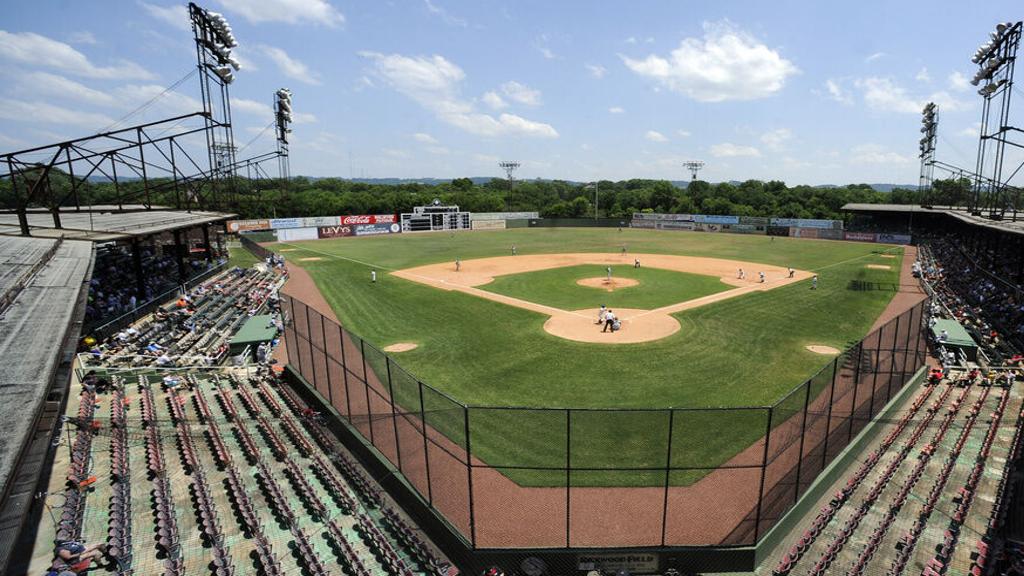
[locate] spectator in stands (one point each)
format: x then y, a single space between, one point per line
75 556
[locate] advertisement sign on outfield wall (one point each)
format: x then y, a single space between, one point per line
294 234
248 225
894 239
318 221
650 216
368 219
334 231
503 215
282 223
754 220
795 232
711 219
807 223
374 229
860 236
487 224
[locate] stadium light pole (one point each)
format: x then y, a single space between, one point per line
693 166
509 166
595 184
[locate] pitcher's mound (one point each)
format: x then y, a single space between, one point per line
879 266
609 285
819 349
401 347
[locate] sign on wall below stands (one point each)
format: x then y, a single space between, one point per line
318 221
894 239
633 563
503 215
368 219
860 236
487 224
807 223
712 219
374 229
294 234
334 231
248 225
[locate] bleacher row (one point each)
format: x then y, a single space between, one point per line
193 330
286 515
875 521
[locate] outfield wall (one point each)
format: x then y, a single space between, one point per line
493 500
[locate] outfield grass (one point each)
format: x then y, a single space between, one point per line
745 351
557 287
241 257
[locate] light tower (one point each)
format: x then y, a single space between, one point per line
509 166
283 121
929 127
693 166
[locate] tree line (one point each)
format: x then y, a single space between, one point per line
303 196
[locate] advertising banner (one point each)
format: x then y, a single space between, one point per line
806 223
318 221
795 232
677 225
488 224
632 562
282 223
894 239
860 236
755 220
744 229
643 223
716 219
248 225
829 234
649 216
778 230
334 231
374 229
368 219
293 234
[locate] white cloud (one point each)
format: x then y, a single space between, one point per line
36 111
291 67
133 95
631 40
46 84
439 150
959 82
728 150
616 110
972 131
873 57
727 64
40 51
424 138
521 93
495 101
876 154
923 76
884 94
433 82
547 53
287 11
175 15
444 15
596 70
776 138
82 37
655 136
683 133
836 92
396 152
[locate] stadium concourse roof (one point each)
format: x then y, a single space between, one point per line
108 223
42 287
1013 227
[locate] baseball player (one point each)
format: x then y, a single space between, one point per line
814 282
740 275
791 271
761 275
609 271
458 264
636 262
373 276
601 314
513 249
609 321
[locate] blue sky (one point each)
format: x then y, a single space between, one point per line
806 92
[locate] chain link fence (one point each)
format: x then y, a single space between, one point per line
509 477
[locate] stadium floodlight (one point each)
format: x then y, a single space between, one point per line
509 166
693 166
283 113
215 36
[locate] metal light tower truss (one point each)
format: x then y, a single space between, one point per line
214 41
509 166
996 60
693 167
282 128
929 129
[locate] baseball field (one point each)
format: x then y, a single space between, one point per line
693 335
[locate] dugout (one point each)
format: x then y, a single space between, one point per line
957 338
255 331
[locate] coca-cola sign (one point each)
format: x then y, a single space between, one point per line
368 219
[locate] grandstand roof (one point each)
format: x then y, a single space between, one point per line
99 225
962 215
33 328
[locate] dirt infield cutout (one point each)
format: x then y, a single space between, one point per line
310 259
609 285
879 266
401 347
887 255
822 349
580 325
